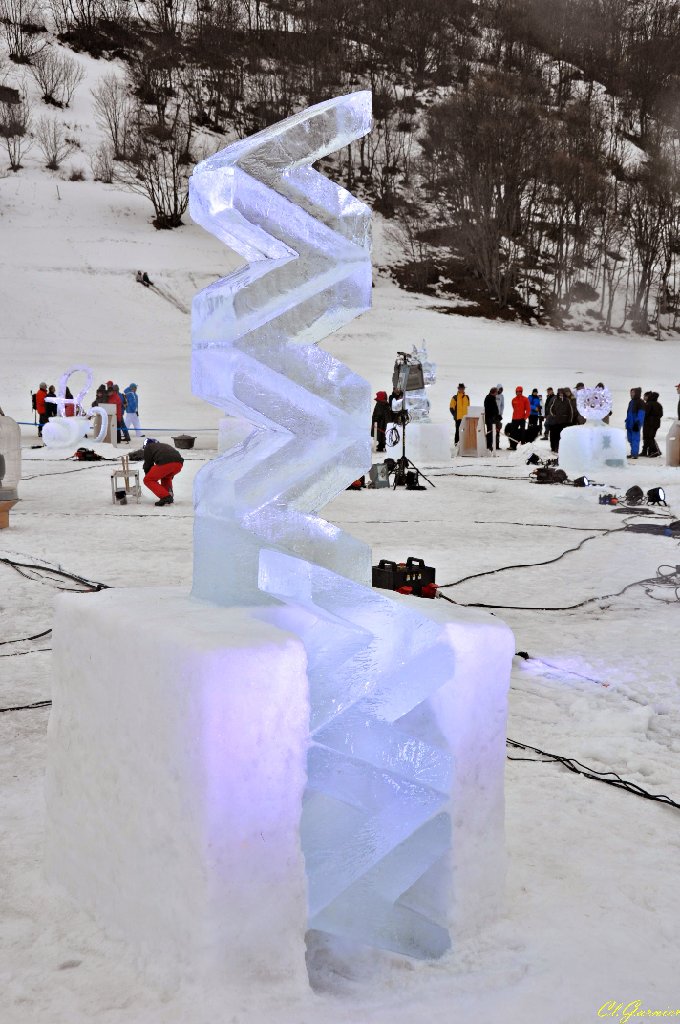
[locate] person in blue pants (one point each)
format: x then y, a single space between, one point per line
635 417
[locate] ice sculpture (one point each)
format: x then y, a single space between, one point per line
375 819
594 445
10 458
283 770
65 430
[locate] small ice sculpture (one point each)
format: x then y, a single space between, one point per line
66 429
594 403
376 821
594 445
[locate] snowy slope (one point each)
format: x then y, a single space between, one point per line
592 903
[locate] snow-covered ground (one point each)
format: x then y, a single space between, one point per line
593 906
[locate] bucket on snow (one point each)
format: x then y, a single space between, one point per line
184 441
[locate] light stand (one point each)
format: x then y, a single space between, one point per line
403 462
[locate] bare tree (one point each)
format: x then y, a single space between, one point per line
15 127
102 163
57 75
159 166
167 16
21 23
114 110
70 15
51 138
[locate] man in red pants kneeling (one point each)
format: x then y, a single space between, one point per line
161 463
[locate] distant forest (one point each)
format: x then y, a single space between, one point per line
525 152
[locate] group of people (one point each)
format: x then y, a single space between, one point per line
532 417
45 405
127 408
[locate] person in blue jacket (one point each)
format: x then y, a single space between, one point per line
635 417
132 409
536 406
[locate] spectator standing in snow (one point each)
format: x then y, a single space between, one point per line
561 416
458 406
677 391
115 398
635 417
536 409
652 422
51 408
382 414
131 417
579 387
162 463
500 402
39 406
492 417
549 399
520 413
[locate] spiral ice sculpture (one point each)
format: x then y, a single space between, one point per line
375 824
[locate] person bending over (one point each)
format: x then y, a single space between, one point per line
162 462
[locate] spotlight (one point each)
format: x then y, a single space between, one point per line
657 496
582 481
634 495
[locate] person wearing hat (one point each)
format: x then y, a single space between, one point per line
521 410
458 406
382 415
131 416
40 407
500 402
162 462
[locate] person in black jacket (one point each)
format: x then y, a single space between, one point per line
549 399
652 422
162 462
561 416
382 415
492 416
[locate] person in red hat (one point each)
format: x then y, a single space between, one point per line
382 414
521 410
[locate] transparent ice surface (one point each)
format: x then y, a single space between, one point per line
375 821
307 241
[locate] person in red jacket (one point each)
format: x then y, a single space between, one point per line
521 410
41 407
115 398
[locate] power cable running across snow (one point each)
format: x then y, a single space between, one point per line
572 765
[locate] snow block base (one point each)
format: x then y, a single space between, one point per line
177 765
591 448
177 749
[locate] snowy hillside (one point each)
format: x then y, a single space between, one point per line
593 904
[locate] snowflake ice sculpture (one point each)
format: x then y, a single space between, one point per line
594 403
375 823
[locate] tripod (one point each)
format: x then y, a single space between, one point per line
403 462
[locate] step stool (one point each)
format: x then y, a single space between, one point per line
127 479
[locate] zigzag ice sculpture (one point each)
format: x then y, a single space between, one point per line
375 819
291 752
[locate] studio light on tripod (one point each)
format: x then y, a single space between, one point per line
634 495
581 481
657 496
